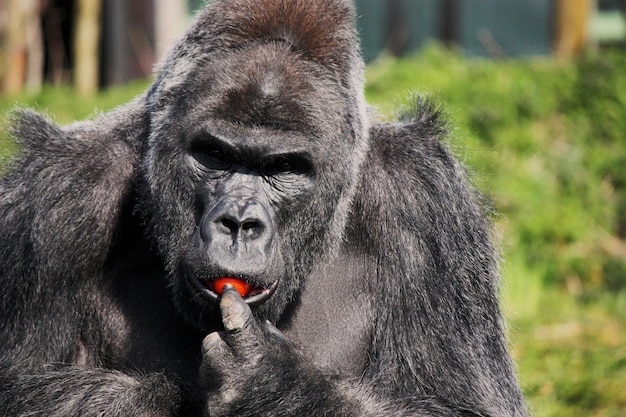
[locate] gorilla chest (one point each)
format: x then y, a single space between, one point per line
331 323
145 331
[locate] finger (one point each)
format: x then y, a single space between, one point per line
236 314
212 345
214 354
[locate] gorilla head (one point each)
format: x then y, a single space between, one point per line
254 153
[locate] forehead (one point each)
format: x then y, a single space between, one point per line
266 85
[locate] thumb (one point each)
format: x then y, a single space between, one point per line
236 314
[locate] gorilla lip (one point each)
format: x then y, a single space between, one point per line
255 296
242 287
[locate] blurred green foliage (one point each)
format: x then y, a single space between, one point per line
545 141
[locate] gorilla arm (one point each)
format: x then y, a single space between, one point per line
442 338
85 392
59 210
62 198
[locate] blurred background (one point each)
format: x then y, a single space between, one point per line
96 43
536 94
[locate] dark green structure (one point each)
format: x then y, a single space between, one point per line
496 28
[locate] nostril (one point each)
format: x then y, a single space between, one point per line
249 225
228 225
251 228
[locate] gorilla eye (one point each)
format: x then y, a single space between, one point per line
208 155
287 164
215 154
284 166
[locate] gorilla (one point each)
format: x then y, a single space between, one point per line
368 280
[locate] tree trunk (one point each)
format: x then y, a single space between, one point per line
572 26
170 20
86 46
22 46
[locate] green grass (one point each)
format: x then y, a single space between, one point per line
546 142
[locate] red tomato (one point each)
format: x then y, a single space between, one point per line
243 288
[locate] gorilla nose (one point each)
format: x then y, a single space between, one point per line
248 228
242 220
237 235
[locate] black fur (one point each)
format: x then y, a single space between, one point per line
386 278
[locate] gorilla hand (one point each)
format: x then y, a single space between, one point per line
251 366
252 370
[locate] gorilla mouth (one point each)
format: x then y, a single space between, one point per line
254 296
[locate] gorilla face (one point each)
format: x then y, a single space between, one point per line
250 168
247 184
